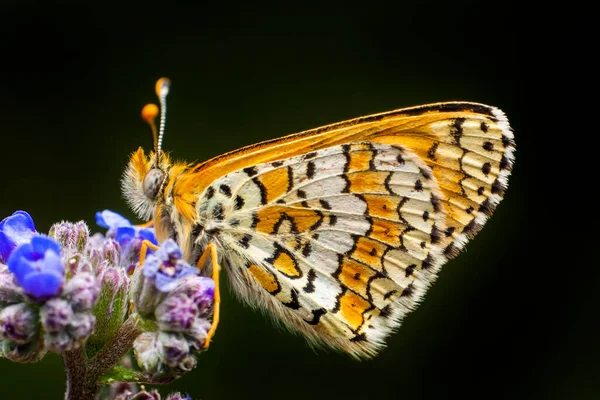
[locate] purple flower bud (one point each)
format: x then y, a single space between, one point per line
56 315
176 313
143 395
63 329
82 291
122 390
81 326
178 396
199 289
18 323
175 349
9 291
38 268
23 353
71 236
198 332
112 252
14 231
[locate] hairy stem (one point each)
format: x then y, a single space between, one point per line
114 350
83 375
76 368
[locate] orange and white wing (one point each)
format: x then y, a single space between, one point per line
340 230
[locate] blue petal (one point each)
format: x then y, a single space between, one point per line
41 244
53 263
151 265
171 248
124 235
15 230
109 219
20 262
148 234
165 283
42 284
187 270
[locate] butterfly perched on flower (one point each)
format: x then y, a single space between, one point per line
338 231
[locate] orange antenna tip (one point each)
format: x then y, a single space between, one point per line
162 87
149 113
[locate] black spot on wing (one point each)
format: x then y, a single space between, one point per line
238 203
210 192
245 241
293 304
456 130
310 169
226 190
250 171
324 204
310 285
263 190
317 314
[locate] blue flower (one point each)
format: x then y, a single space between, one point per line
38 268
166 266
15 230
124 231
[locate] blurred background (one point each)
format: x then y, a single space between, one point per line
511 317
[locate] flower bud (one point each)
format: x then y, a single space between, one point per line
144 294
18 323
147 352
178 396
143 395
56 315
197 334
9 291
71 236
176 313
175 349
200 290
112 304
83 235
81 326
82 291
112 252
64 329
23 353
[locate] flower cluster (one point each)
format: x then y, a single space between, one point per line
68 289
169 291
40 309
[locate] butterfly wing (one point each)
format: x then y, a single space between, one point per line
339 231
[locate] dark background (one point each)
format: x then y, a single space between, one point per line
515 316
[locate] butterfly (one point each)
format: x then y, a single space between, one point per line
337 231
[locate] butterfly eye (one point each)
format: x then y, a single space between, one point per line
152 182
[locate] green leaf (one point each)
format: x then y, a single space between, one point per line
124 374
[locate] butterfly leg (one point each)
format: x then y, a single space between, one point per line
146 225
211 251
145 245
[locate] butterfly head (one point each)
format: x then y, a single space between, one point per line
146 176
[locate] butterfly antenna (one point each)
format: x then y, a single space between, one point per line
149 114
162 90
